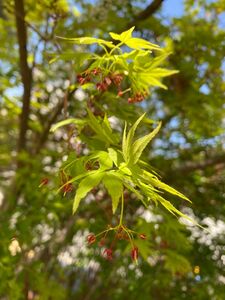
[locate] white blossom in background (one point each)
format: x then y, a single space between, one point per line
49 87
14 247
115 123
122 272
72 254
4 112
44 233
80 95
148 215
215 228
38 74
14 219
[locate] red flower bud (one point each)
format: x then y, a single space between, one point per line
102 86
44 181
107 81
96 71
142 236
120 94
102 242
134 253
91 239
108 253
68 188
81 80
117 79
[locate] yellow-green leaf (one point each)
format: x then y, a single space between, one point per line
137 43
115 188
85 186
140 144
124 36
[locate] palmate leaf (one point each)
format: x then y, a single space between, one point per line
161 185
141 143
137 43
156 61
129 55
85 186
115 156
124 142
103 129
153 195
130 186
160 72
132 150
173 210
124 36
103 158
133 42
128 140
87 41
115 188
146 80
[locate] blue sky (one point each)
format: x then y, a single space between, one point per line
172 8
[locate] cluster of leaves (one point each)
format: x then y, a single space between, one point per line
128 57
117 168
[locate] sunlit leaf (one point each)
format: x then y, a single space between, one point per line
124 36
115 188
85 186
137 43
141 143
87 41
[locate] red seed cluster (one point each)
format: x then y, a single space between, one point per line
68 188
102 242
117 79
142 236
44 181
120 233
107 81
91 239
134 253
120 94
138 97
82 79
108 253
96 71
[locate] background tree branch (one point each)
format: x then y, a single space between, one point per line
201 165
25 71
146 13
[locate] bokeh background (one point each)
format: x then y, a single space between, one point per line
43 249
